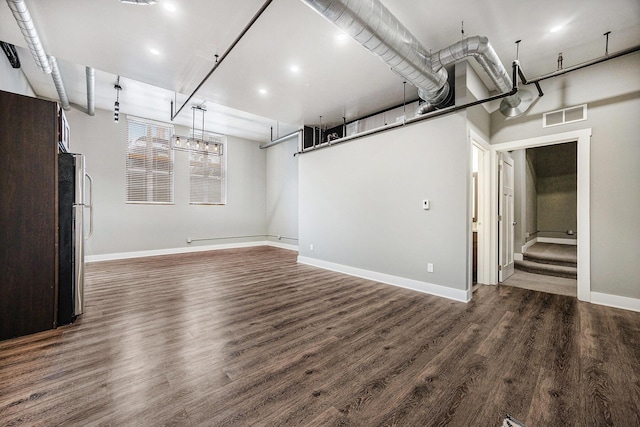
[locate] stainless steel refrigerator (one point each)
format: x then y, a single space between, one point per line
71 235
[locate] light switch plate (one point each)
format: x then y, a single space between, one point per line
426 204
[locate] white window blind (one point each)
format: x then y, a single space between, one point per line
207 173
149 162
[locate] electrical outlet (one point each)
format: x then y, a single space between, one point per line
426 205
429 268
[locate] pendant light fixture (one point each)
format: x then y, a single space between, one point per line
199 140
116 106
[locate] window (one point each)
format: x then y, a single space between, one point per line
149 162
207 173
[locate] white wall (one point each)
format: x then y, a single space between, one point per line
123 228
361 202
612 91
282 192
13 79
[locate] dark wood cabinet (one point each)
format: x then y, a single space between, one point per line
29 134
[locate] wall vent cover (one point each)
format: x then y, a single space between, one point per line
567 115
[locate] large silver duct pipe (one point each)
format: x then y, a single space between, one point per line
479 48
47 64
23 18
371 24
57 80
91 85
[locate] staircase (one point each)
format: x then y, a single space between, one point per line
551 260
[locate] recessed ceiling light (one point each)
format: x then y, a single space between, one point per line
294 68
170 7
555 29
342 37
139 2
262 91
154 51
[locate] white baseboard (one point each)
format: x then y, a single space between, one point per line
529 244
172 251
282 245
615 301
416 285
557 241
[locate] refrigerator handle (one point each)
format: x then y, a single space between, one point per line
90 206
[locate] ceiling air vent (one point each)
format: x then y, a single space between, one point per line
567 115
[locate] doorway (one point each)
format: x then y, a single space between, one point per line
583 138
480 209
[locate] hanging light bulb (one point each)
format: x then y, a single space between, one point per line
198 144
178 141
215 148
206 147
188 143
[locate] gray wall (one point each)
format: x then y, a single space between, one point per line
612 91
121 227
282 192
531 211
361 202
13 79
557 190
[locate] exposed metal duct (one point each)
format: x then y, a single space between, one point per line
23 18
47 64
371 24
91 85
57 80
479 48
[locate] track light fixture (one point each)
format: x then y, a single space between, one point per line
116 106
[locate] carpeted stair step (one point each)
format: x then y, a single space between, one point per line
554 259
547 269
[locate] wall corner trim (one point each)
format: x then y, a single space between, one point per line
615 301
402 282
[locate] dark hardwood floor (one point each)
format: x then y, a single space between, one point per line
248 337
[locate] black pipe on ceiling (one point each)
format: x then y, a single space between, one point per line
222 58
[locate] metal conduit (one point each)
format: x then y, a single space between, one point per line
222 58
281 139
578 66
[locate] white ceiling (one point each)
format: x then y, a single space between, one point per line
335 78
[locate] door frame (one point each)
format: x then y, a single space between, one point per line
583 138
484 209
506 219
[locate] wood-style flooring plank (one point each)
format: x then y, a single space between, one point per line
248 337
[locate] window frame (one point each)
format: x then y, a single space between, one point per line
154 153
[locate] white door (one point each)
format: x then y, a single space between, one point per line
506 222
